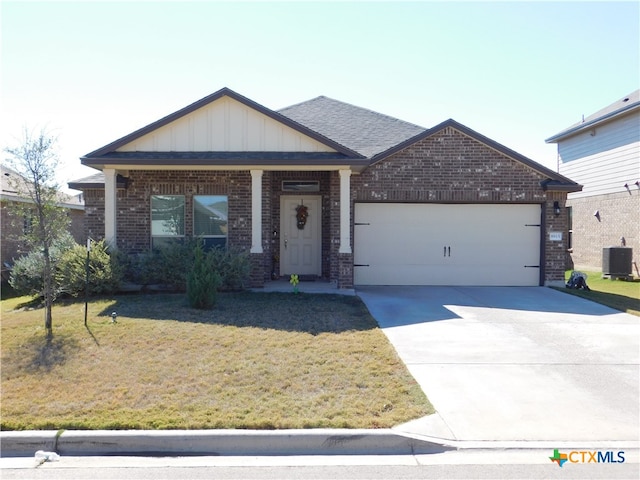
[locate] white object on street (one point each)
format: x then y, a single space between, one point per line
42 456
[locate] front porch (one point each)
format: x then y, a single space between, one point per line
319 245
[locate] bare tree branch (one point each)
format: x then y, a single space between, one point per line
35 161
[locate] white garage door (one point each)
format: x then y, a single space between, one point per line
438 244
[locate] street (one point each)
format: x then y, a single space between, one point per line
476 464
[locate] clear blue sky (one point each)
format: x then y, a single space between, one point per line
517 72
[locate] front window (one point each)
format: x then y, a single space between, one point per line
210 214
167 219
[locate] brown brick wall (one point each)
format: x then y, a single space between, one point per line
619 216
334 229
134 208
94 213
451 167
11 228
555 256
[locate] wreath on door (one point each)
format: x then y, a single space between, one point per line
302 212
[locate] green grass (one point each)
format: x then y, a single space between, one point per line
622 295
258 360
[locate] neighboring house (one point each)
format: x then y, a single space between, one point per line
330 190
602 152
12 228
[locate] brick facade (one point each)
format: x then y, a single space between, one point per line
134 207
134 211
450 167
447 167
11 228
591 234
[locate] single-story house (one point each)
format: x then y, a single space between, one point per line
329 190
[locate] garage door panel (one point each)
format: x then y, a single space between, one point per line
438 244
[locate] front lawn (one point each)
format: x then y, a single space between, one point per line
258 360
622 295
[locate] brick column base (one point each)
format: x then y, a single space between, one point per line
256 279
345 270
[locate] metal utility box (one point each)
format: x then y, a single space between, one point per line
617 261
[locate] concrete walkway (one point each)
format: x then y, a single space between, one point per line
511 364
317 286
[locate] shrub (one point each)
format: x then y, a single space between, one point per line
176 261
233 265
203 281
171 264
166 265
26 274
105 270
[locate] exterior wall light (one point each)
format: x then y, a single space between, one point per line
556 208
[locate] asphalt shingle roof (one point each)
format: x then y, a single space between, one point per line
358 135
14 186
365 131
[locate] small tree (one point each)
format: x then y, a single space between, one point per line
36 161
203 281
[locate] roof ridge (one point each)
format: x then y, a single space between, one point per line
353 106
300 103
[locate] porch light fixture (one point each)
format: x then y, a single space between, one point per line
556 208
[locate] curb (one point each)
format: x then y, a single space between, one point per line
216 442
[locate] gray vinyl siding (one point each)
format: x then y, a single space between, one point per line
603 158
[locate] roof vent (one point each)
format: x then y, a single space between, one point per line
626 99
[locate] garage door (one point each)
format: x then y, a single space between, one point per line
438 244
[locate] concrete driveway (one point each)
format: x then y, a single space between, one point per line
515 363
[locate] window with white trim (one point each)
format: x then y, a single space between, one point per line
167 219
210 222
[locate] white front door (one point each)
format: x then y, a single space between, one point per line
300 244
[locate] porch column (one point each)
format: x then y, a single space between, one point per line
345 211
256 211
110 197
